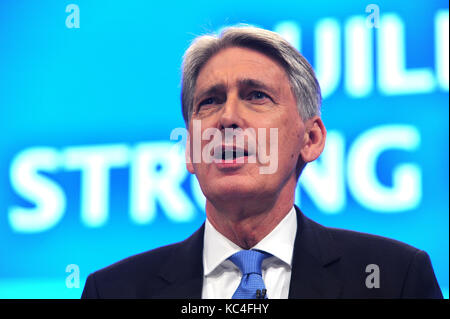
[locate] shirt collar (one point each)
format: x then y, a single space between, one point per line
279 243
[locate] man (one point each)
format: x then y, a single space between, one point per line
255 243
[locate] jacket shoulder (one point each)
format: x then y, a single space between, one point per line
130 277
148 274
149 261
351 241
403 271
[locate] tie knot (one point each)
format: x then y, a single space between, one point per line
249 261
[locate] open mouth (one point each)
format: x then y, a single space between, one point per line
234 154
229 153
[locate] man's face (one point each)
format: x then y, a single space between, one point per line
243 88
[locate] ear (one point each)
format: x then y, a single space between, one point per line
188 157
314 139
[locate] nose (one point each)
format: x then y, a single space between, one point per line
231 116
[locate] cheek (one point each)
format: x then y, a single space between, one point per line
290 143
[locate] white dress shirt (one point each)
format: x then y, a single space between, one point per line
222 277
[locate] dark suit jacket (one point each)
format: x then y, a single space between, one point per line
327 263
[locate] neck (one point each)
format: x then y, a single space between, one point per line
247 223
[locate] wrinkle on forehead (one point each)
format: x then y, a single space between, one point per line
231 66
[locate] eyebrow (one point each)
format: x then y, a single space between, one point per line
220 88
252 83
212 90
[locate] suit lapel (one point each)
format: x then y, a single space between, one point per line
315 262
183 271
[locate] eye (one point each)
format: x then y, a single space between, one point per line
257 95
208 101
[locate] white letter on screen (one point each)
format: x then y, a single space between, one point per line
323 180
157 173
393 77
291 32
406 192
441 48
358 57
95 163
45 194
327 53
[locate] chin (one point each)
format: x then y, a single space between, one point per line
229 190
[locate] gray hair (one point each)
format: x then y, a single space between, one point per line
304 84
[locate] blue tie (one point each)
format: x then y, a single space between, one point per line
252 284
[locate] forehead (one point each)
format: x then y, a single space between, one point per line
230 65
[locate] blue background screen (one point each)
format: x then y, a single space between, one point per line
90 94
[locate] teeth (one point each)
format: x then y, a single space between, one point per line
229 153
233 154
